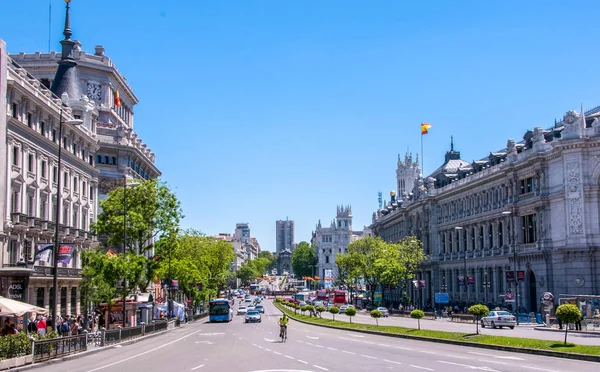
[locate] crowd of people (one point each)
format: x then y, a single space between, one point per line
70 325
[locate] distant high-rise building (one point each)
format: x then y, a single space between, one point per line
284 236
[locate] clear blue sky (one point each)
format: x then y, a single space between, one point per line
262 110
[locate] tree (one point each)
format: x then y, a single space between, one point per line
320 309
376 314
334 310
568 313
246 273
417 314
350 312
272 257
152 212
304 259
349 274
478 311
411 257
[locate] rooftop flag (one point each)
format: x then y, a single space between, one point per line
425 128
117 99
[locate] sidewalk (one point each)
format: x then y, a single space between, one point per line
584 333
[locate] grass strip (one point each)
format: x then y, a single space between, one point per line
524 343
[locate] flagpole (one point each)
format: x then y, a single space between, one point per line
422 158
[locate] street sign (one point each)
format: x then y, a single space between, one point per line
442 298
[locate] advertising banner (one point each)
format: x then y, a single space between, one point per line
65 252
14 287
328 275
43 252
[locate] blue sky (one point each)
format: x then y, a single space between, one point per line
262 110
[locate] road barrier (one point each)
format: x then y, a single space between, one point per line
58 347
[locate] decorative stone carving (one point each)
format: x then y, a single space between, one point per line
573 125
578 281
574 202
538 135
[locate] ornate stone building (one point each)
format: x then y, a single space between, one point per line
122 154
29 118
329 241
533 205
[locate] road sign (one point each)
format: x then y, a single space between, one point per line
509 296
442 298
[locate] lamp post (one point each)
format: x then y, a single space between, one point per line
125 184
486 284
56 245
515 279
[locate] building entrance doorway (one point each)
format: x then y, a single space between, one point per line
533 298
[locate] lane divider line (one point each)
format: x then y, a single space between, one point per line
425 368
368 356
391 361
319 367
348 352
301 361
200 366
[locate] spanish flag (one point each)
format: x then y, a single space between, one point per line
117 99
110 253
425 128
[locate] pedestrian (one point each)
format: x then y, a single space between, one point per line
32 326
41 326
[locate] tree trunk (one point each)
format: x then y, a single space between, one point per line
566 330
477 325
377 322
419 323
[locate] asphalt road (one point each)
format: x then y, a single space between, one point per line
446 325
240 347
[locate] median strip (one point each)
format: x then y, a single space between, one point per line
513 344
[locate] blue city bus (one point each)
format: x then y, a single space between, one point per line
219 310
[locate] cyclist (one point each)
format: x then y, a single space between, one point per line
283 321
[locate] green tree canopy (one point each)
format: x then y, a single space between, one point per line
304 260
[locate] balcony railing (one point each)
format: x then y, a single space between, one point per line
47 271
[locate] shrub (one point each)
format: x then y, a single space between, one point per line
303 309
310 309
376 314
350 312
334 310
320 309
568 313
15 345
479 311
417 314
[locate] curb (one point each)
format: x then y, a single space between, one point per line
547 329
558 354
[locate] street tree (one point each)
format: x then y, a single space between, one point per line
568 313
417 314
350 312
272 257
478 311
349 273
304 259
334 310
376 314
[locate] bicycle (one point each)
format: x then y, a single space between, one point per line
283 333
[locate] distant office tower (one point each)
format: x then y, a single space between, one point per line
284 236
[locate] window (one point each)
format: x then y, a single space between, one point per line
66 179
99 159
500 234
15 201
43 168
43 208
54 174
527 185
54 135
29 119
15 155
114 161
74 299
105 160
15 111
74 148
84 188
326 259
43 129
65 215
75 221
91 160
91 193
529 228
39 297
490 236
481 237
75 182
64 140
30 162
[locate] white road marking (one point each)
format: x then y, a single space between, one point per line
308 343
491 361
300 341
368 356
391 361
277 352
540 369
312 338
321 346
496 356
204 342
289 357
332 348
359 336
348 352
425 368
267 349
301 361
319 367
200 366
484 368
268 339
210 334
385 345
144 353
403 348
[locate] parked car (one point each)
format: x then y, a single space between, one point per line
384 312
252 316
499 319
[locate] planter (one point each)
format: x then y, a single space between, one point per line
16 362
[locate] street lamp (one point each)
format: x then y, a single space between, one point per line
125 184
56 245
516 281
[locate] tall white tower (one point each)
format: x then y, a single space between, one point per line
344 217
406 174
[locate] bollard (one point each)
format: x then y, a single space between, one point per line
102 336
548 320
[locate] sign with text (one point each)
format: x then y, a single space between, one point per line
442 298
65 253
14 287
43 252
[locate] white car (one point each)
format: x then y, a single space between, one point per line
242 310
499 319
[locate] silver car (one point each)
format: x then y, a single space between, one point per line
253 316
384 312
499 319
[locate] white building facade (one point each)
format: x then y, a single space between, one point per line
531 208
30 118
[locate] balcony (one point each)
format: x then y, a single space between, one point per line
63 272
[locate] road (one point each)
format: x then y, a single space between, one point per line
446 325
240 347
